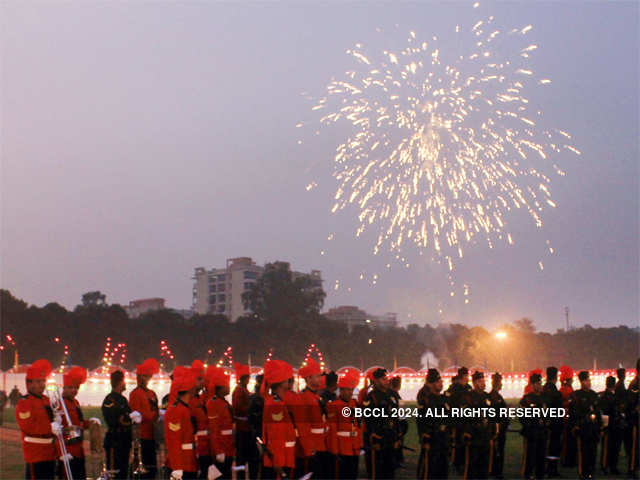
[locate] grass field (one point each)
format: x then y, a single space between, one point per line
12 465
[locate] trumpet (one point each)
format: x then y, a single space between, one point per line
57 405
140 469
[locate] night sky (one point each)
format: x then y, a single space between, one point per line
141 141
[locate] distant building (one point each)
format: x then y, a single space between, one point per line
353 316
220 290
144 305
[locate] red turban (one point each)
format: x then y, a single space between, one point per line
349 379
566 373
40 369
276 371
197 367
149 367
311 368
74 377
219 378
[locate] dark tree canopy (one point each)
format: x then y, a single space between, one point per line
287 320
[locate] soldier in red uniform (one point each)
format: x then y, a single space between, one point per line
311 454
569 442
278 433
37 424
197 405
71 383
179 433
222 445
345 434
145 401
240 404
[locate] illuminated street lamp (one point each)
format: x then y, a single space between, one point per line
501 335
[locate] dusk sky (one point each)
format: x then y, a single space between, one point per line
141 140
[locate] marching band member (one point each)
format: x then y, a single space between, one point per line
119 417
71 383
145 401
179 433
221 423
240 404
37 424
278 433
197 405
344 438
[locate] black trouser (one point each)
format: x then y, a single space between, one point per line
189 475
459 455
588 451
40 470
78 469
243 446
269 473
117 458
554 447
324 465
225 468
255 467
536 447
610 450
347 467
148 457
382 462
204 461
498 454
569 449
438 466
478 461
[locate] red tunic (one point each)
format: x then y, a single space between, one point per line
240 403
199 412
178 437
34 417
220 427
75 414
145 401
310 423
345 435
278 434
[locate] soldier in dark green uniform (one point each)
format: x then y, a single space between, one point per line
632 415
432 428
611 423
383 432
117 441
553 399
457 398
478 431
534 431
501 424
585 418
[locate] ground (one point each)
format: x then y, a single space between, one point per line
12 465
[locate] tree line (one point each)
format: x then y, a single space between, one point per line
286 321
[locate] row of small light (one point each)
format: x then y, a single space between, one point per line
65 357
226 356
313 348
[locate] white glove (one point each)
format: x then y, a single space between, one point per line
220 458
95 420
56 428
135 416
177 474
213 472
68 456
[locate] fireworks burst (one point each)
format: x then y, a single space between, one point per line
445 141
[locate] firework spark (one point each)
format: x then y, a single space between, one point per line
444 142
